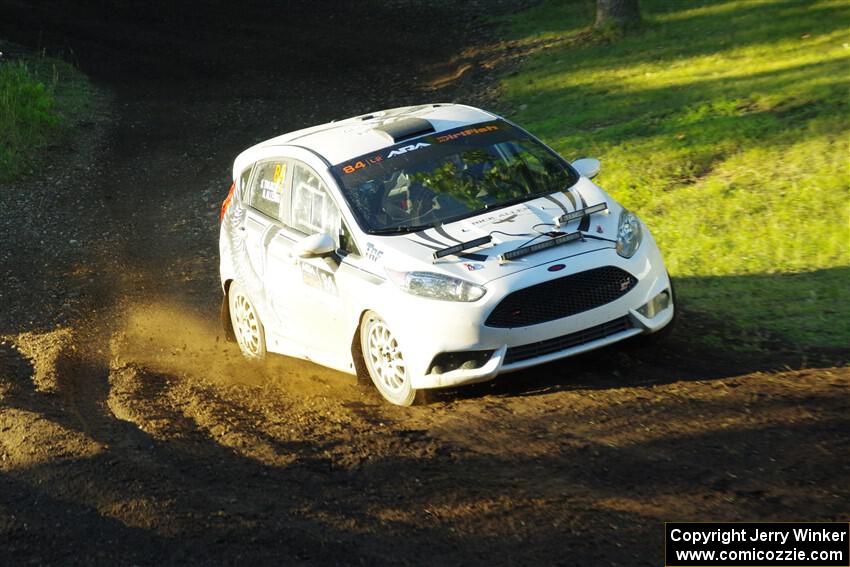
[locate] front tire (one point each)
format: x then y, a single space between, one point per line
245 320
385 362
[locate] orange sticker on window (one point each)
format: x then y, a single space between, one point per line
467 132
360 164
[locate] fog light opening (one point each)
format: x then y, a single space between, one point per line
655 305
468 360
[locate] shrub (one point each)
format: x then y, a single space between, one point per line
28 115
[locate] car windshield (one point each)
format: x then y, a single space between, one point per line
449 176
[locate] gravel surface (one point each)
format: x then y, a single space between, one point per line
131 433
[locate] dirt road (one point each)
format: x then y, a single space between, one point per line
130 433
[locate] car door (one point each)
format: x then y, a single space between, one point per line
262 222
305 290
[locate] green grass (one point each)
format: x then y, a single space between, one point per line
39 96
725 125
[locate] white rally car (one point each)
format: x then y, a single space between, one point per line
430 246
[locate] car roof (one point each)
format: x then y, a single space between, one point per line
342 140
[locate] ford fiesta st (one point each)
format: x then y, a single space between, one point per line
430 246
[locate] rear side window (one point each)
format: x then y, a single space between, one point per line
267 189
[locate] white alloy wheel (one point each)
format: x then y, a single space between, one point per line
384 361
246 323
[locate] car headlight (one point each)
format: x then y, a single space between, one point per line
629 234
436 286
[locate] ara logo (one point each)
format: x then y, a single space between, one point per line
405 149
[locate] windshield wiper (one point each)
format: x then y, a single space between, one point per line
567 217
398 229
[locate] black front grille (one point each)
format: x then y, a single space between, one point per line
561 297
533 350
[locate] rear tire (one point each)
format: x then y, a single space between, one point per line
384 361
245 320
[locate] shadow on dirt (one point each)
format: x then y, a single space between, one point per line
535 482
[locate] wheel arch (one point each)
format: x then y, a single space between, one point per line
360 369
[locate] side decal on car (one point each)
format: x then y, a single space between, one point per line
373 253
318 278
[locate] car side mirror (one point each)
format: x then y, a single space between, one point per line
315 245
587 167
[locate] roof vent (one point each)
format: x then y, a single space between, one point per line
405 128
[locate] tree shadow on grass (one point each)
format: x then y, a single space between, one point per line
718 21
620 105
706 27
805 315
622 113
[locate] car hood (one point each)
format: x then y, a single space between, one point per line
510 228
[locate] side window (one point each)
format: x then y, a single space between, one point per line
268 186
313 210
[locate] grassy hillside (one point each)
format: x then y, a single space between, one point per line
38 96
724 124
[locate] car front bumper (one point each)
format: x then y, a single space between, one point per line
453 327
